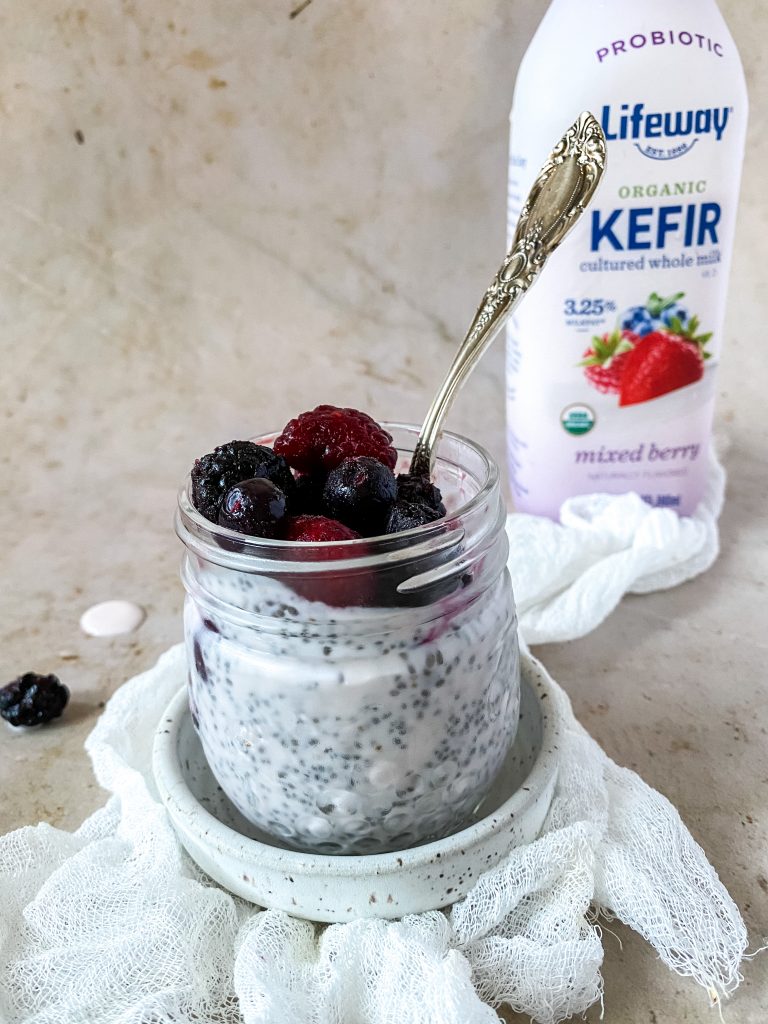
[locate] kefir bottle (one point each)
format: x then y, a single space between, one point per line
612 358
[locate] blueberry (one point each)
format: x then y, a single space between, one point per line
406 515
214 474
673 313
360 492
421 490
638 320
256 507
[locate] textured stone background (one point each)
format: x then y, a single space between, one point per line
215 214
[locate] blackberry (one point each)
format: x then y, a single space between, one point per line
360 492
214 474
33 699
406 515
421 490
255 507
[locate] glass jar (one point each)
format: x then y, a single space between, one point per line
357 696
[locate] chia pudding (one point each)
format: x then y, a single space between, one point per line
358 697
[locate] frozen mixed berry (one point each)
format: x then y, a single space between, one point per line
214 474
421 490
256 507
321 439
407 515
360 492
33 699
343 589
307 497
310 529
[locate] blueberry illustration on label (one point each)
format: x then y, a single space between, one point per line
658 312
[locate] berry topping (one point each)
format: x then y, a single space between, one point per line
308 529
256 507
324 437
661 363
604 361
406 515
421 490
340 590
214 474
32 699
360 492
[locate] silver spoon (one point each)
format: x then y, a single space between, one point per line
560 194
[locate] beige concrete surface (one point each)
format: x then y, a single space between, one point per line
215 215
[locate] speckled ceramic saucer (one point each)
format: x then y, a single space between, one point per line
324 888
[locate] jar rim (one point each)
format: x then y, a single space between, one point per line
207 538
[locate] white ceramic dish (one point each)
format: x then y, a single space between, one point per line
324 888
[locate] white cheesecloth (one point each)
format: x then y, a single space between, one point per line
114 924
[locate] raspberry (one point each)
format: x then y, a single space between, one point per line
256 507
421 490
229 464
407 515
360 493
339 591
307 529
605 359
327 435
32 699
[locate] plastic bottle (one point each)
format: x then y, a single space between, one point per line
649 259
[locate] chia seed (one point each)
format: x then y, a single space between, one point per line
301 722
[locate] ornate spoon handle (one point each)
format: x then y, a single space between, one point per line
560 194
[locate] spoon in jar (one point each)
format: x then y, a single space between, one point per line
562 191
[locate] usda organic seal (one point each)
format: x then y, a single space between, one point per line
577 419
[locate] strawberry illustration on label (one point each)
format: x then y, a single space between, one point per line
653 350
663 361
604 361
